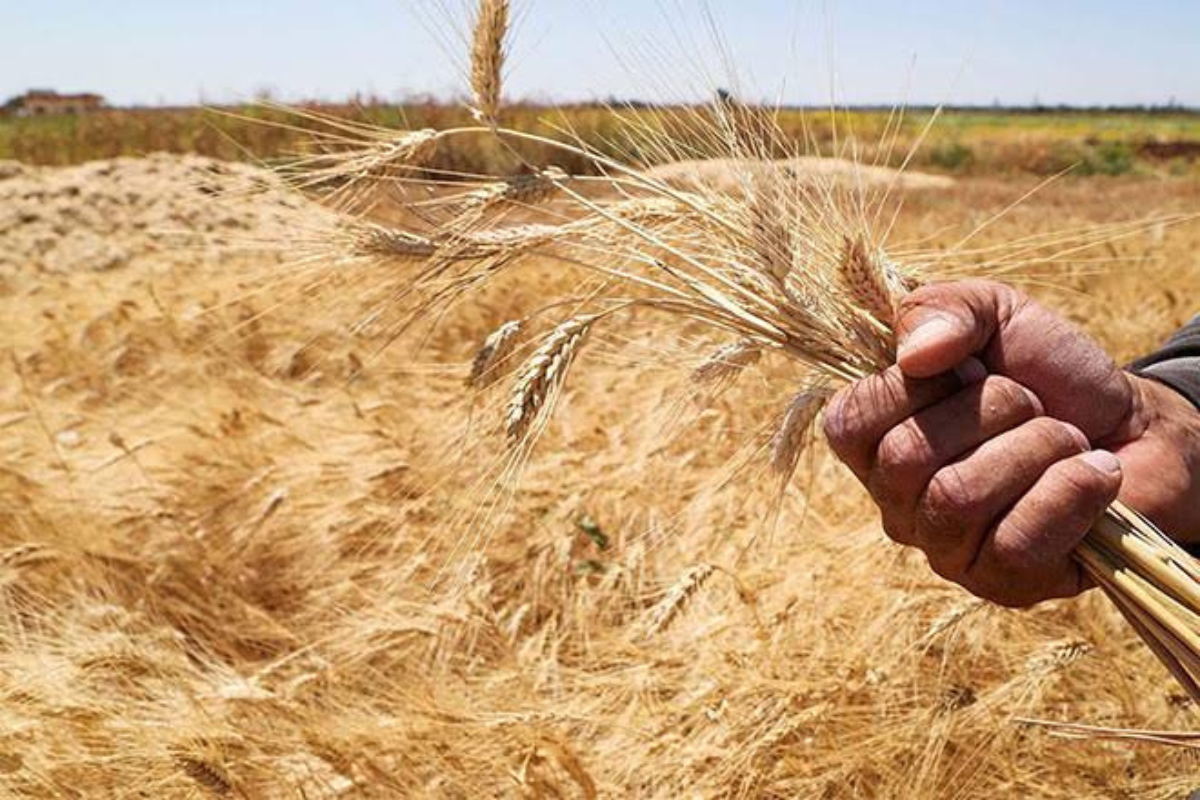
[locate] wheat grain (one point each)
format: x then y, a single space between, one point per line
543 373
497 347
487 58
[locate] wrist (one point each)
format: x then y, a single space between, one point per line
1162 459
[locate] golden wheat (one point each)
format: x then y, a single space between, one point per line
726 362
801 274
487 58
677 597
543 374
497 347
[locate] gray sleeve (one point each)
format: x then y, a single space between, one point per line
1176 363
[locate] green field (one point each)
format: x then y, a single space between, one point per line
959 142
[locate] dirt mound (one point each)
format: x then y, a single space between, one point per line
730 175
100 215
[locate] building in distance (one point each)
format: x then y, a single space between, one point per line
47 102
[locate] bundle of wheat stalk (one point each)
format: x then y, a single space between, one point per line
788 269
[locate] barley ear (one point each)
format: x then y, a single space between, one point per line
487 58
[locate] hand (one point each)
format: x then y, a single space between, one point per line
1001 436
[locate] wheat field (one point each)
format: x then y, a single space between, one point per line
262 534
226 521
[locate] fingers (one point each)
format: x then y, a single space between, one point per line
1027 558
909 455
964 500
859 415
941 324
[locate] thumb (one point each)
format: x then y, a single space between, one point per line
940 325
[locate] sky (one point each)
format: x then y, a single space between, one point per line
152 52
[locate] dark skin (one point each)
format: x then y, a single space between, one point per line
1002 435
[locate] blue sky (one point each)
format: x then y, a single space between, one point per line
956 51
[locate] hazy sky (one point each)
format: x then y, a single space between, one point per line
956 51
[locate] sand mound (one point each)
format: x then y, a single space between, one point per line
729 175
100 215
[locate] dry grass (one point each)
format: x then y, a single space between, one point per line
219 553
229 516
794 265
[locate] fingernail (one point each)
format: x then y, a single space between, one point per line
932 330
1040 409
971 371
1079 436
1103 461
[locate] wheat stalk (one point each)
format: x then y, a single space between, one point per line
798 273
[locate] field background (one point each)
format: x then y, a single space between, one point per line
219 554
970 142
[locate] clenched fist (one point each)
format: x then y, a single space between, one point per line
1001 436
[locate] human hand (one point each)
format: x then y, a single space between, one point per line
1002 435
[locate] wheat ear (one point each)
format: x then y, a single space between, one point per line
867 281
770 236
525 190
788 442
206 774
726 362
496 347
543 373
677 597
487 58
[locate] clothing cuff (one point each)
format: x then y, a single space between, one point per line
1181 374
